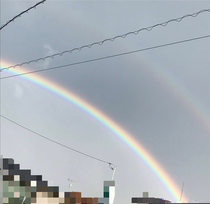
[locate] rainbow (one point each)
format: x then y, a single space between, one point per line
110 124
179 92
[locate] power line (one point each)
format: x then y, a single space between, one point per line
20 14
1 27
109 56
111 39
54 140
0 86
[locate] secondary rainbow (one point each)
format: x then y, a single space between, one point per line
110 124
180 93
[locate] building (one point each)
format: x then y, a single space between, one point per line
19 185
147 200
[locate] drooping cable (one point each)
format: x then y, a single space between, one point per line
0 92
107 57
20 14
110 39
87 155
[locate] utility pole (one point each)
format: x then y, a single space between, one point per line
23 199
182 192
112 167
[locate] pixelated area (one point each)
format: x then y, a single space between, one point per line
19 185
146 199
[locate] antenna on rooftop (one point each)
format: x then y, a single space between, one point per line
182 192
70 182
112 167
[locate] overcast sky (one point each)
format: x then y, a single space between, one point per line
159 96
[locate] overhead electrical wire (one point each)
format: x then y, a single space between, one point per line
20 14
0 86
3 26
87 155
107 57
110 39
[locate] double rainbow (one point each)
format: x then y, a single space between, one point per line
110 124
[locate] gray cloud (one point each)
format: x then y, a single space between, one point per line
128 89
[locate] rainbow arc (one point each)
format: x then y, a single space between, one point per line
121 133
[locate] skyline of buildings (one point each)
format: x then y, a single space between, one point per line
19 185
